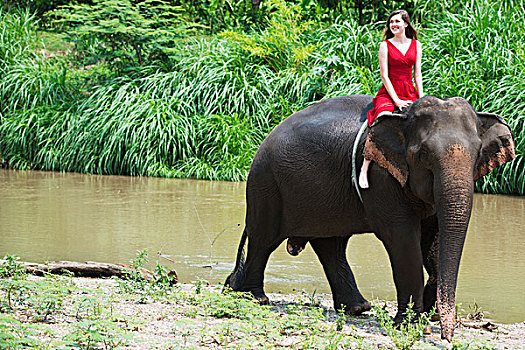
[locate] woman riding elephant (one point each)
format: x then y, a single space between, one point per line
398 54
425 162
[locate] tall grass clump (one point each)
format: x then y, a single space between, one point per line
35 83
131 135
17 36
475 52
27 80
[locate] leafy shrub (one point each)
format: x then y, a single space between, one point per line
218 15
283 44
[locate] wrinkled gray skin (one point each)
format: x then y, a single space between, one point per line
419 202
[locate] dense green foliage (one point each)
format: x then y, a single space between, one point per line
196 105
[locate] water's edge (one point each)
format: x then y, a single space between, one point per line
197 224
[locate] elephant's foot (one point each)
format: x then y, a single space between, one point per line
262 299
259 295
353 308
401 317
358 309
295 245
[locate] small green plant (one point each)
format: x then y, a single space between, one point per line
11 267
313 300
198 286
341 319
47 299
89 307
475 312
230 304
405 335
96 334
162 279
140 260
37 299
335 341
133 280
135 283
16 335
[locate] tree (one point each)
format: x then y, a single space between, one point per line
120 27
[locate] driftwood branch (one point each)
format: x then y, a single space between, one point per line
488 326
90 269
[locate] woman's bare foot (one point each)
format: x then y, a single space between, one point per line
363 180
363 175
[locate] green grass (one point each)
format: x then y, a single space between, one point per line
17 32
202 109
62 312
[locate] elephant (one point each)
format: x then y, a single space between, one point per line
424 164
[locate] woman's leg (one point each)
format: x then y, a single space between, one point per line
363 175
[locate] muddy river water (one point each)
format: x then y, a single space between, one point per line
197 225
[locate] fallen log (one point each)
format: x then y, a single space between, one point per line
92 269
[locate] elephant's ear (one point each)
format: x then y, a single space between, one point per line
498 146
386 145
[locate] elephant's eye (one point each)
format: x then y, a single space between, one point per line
423 156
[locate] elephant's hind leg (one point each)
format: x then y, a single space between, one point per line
256 260
332 254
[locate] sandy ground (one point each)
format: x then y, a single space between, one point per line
175 325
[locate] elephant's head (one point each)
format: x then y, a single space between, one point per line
437 149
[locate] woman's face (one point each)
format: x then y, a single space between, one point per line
397 25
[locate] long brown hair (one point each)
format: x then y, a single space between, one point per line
410 32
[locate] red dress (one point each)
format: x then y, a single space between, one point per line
400 74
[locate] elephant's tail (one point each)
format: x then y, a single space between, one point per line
236 278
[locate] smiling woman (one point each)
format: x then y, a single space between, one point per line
399 53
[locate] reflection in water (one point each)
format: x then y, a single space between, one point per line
56 216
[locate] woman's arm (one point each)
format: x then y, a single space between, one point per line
383 69
417 71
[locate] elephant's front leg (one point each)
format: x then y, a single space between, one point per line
404 249
430 248
332 254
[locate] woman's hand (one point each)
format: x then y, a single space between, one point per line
402 104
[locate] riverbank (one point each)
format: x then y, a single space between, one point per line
63 312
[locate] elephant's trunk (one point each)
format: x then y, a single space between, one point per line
454 193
